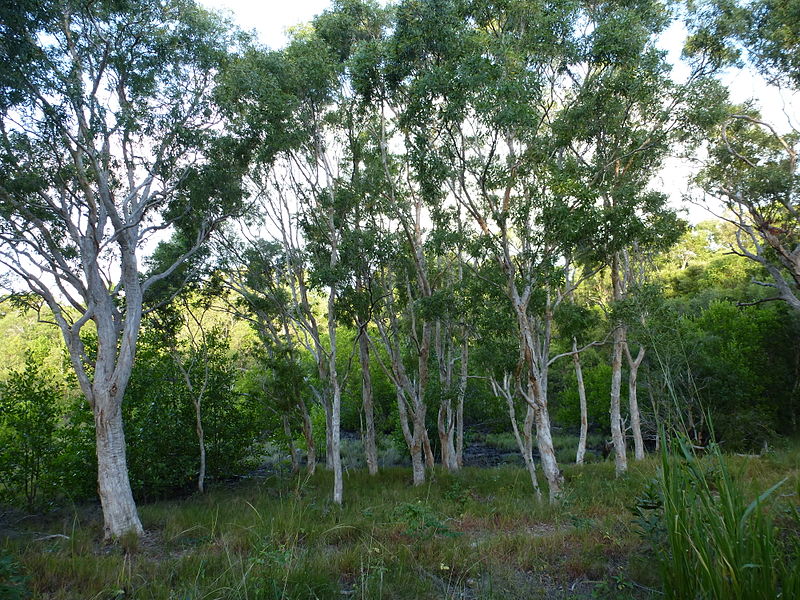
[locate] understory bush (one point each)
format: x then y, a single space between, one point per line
28 445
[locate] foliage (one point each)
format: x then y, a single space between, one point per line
160 420
28 440
597 381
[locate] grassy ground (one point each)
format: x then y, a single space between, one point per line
475 534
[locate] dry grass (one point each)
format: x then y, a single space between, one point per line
475 534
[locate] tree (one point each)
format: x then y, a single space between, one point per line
262 290
110 139
752 167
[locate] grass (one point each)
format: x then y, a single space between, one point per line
475 534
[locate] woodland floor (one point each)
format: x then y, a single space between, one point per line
475 534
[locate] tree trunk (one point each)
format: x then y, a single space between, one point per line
308 433
525 439
292 450
426 445
370 446
535 361
576 359
413 441
445 421
113 486
446 429
338 488
328 434
546 451
636 426
417 464
617 435
527 432
462 392
201 440
336 401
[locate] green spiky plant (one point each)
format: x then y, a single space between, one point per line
720 546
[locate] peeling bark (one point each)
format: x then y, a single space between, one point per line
636 427
617 435
370 446
113 486
576 359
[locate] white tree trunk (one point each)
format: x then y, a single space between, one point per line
328 434
617 434
413 440
636 425
547 452
446 421
113 486
370 446
527 432
576 359
525 439
201 441
336 401
462 392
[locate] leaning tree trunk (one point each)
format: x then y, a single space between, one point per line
527 438
544 441
636 425
113 486
617 435
576 359
524 439
370 446
535 393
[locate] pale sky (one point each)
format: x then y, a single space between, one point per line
270 18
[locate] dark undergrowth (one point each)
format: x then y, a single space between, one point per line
475 534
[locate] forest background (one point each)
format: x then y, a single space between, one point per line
414 234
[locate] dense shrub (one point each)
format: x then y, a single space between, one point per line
28 441
159 416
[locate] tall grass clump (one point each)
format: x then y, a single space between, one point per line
719 545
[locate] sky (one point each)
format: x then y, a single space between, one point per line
270 18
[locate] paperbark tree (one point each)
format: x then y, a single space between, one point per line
633 402
524 439
109 139
576 359
256 275
535 121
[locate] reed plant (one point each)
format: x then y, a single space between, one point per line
720 546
